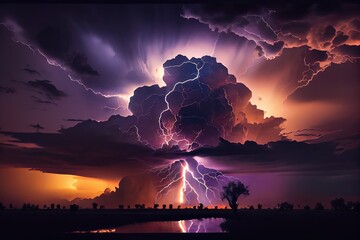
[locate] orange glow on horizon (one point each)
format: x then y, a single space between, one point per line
35 186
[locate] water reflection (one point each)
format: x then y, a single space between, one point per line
206 225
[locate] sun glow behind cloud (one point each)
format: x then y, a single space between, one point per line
38 187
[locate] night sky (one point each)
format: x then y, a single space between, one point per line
266 93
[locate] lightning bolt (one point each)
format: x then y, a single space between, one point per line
167 132
191 183
53 62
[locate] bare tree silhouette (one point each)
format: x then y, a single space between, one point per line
232 191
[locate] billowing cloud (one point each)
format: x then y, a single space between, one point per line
276 26
200 103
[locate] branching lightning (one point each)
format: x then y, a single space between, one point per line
167 132
192 182
53 62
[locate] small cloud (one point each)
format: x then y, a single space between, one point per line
74 120
39 100
7 90
80 64
47 88
31 71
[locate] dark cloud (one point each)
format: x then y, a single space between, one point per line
107 57
298 29
339 39
272 49
200 103
326 33
31 71
54 40
74 120
269 129
46 88
146 104
347 50
275 26
79 63
314 55
307 135
40 100
112 145
7 90
281 156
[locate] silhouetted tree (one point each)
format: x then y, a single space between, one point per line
52 206
94 205
338 204
319 206
201 206
216 207
232 191
170 206
353 206
164 206
58 206
285 206
179 207
45 206
259 206
194 207
121 206
156 206
307 207
356 206
2 206
10 206
74 207
251 207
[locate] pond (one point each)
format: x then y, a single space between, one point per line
206 225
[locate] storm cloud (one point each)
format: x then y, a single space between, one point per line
200 103
274 26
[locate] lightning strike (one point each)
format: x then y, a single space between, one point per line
193 182
166 132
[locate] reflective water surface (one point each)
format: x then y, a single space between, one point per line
206 225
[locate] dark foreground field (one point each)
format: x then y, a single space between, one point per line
247 224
